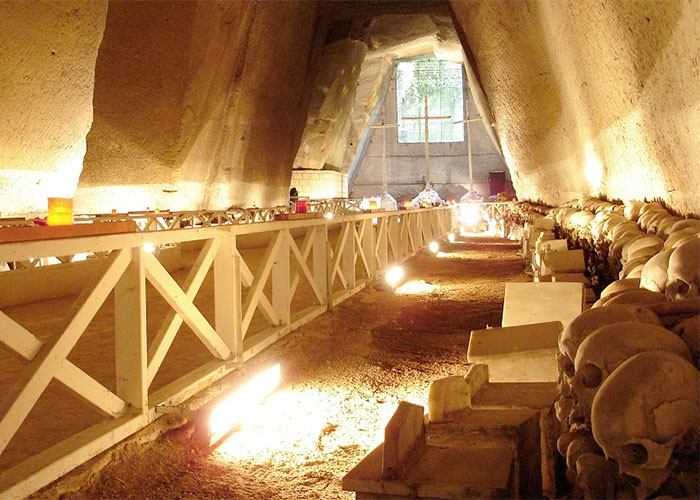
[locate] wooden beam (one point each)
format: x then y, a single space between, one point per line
178 300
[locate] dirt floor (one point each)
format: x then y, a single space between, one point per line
343 376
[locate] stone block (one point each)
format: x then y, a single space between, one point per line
527 303
523 353
569 261
403 436
446 396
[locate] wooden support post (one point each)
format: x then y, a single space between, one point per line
381 244
281 300
347 261
319 258
228 303
130 333
368 245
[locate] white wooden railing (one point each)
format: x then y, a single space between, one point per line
335 258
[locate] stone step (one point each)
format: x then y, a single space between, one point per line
522 353
527 303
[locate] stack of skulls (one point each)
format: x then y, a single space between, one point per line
628 401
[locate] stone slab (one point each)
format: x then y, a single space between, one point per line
403 435
569 261
502 395
527 303
521 353
440 472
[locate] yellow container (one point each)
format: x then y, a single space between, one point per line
60 211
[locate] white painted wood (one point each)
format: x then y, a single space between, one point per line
360 250
27 346
264 304
366 248
347 260
300 259
48 363
178 300
381 245
20 399
280 276
25 478
228 302
130 333
337 254
257 286
173 321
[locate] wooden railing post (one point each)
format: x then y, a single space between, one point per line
319 257
347 261
281 300
130 333
228 303
368 246
382 243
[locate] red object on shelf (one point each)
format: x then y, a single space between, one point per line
301 206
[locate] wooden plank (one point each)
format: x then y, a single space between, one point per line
360 249
41 469
382 245
347 258
130 333
368 245
26 345
281 298
319 256
32 382
301 256
228 301
37 233
264 304
177 299
301 261
173 321
258 285
338 254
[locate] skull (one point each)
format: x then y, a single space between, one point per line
606 349
654 272
583 325
632 296
632 209
619 286
689 332
647 407
684 271
595 476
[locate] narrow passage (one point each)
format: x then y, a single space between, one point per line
344 374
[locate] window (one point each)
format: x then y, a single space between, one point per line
441 81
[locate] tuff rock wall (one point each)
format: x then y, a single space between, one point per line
599 98
48 52
198 104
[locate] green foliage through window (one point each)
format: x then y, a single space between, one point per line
441 81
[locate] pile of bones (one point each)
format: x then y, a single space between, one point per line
628 366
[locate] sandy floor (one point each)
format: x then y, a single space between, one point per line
344 374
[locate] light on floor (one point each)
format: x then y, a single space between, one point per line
394 275
232 409
149 247
434 247
451 237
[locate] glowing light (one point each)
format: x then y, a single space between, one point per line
394 275
149 247
415 288
407 204
451 237
470 215
434 246
372 205
234 408
60 212
329 215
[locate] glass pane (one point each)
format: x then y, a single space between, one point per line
441 81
